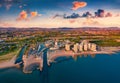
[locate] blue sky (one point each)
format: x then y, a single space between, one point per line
10 9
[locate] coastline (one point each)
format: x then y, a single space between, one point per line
61 53
28 62
9 63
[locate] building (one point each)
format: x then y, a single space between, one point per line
85 46
93 47
76 47
1 41
67 47
80 47
67 41
89 46
56 44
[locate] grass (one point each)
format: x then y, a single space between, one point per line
108 42
9 56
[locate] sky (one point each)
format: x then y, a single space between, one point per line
59 13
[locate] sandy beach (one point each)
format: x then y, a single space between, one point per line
9 63
31 61
61 53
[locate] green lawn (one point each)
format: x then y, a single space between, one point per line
9 56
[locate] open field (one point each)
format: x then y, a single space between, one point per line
9 56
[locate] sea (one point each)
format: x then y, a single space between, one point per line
100 68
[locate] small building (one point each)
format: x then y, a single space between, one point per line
1 41
56 44
67 41
93 47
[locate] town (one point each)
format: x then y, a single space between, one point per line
57 48
29 45
71 39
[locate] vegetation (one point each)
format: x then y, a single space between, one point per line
13 43
7 48
107 42
9 56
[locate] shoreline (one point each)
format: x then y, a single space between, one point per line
53 55
61 53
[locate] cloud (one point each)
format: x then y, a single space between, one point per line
23 16
100 13
8 6
72 16
117 15
20 6
34 14
57 15
5 24
8 3
77 5
72 21
90 21
87 14
108 14
0 5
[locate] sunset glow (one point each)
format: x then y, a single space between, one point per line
36 13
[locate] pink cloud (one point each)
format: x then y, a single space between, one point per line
72 21
77 5
22 16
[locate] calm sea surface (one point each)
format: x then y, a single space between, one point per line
100 69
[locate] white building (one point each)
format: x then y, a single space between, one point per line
85 46
67 41
81 47
56 44
76 47
89 46
67 47
93 47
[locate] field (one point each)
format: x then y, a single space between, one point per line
9 56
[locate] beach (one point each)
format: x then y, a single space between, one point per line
61 53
